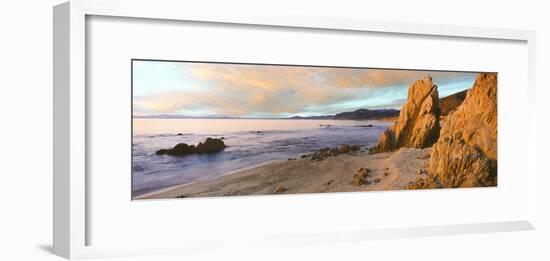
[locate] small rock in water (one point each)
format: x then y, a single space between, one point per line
181 196
279 189
209 146
179 149
344 148
161 151
324 153
354 148
179 134
320 154
304 156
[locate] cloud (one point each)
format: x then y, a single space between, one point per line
245 90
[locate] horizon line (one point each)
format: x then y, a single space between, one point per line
160 116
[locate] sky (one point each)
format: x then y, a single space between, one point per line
271 91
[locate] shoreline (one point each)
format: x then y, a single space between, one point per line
387 171
169 188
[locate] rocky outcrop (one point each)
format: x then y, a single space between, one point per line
279 189
209 146
466 152
418 123
360 177
324 153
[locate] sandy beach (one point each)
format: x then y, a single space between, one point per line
387 171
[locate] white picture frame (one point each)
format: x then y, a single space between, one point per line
70 97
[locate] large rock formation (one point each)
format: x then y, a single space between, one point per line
466 153
418 123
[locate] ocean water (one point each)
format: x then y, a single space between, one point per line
250 142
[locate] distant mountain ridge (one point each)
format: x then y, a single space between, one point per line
320 117
451 102
366 114
360 114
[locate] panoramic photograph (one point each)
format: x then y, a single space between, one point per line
204 129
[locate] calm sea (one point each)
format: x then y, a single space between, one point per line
250 142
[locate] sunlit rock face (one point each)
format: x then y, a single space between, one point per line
418 123
466 153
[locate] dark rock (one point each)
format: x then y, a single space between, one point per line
360 177
354 148
179 134
181 149
424 183
324 153
279 189
321 154
344 149
210 145
376 180
161 151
